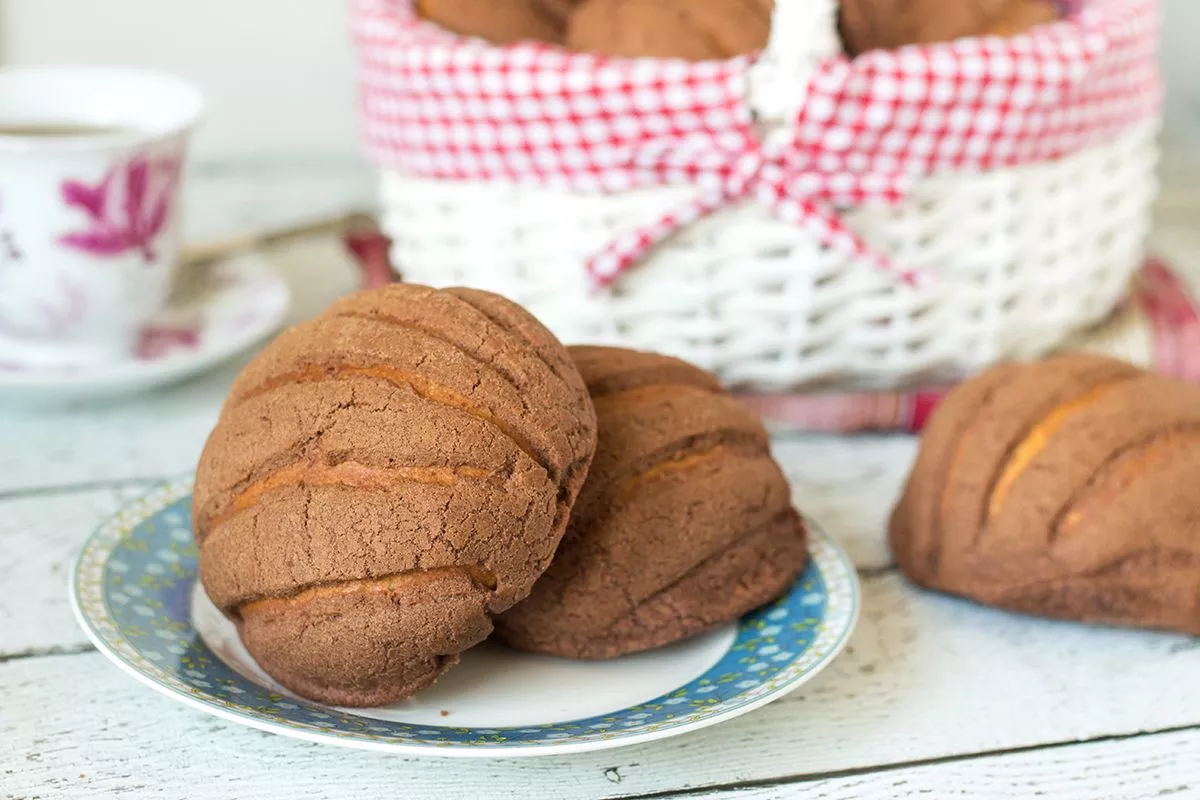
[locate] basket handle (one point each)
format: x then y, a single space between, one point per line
803 33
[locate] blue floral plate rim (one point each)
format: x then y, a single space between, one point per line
146 630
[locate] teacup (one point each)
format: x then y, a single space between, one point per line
91 168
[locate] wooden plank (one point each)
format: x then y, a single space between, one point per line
148 437
1150 766
39 538
925 678
848 485
916 662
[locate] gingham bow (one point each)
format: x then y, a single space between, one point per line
775 172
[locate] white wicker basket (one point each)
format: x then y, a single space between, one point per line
1018 259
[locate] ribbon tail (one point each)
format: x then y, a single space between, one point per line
613 261
827 227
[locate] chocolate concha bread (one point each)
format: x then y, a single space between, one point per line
385 479
685 520
500 21
696 30
1067 489
888 24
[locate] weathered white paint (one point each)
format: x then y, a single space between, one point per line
1155 766
74 727
848 486
39 538
922 671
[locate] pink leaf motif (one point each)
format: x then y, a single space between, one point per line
159 342
168 169
158 215
136 178
89 198
133 224
96 242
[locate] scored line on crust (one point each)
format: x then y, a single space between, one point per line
1122 465
478 576
467 298
1100 376
424 387
350 474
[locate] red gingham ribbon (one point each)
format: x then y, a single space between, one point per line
441 106
778 178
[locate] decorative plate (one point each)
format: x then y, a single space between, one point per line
135 593
216 312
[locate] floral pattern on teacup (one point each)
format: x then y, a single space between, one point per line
10 253
127 210
51 315
159 341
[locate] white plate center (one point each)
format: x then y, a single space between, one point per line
494 687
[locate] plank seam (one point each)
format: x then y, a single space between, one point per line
84 486
805 778
40 652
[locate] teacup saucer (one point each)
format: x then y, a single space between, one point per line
220 311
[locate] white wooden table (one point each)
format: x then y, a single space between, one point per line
935 697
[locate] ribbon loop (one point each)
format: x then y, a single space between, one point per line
777 175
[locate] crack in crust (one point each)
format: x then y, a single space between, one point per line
424 387
688 454
1097 377
393 321
715 556
679 456
930 504
1035 439
480 577
560 369
1121 467
348 474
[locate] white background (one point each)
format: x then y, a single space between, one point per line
280 73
